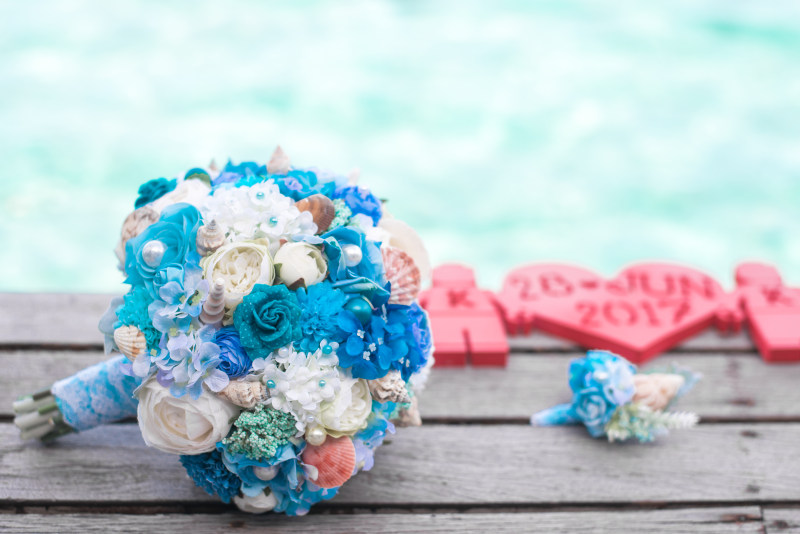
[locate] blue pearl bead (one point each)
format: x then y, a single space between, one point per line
361 308
273 221
322 383
260 195
270 384
327 349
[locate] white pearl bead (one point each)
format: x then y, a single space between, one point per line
352 255
153 252
315 436
265 473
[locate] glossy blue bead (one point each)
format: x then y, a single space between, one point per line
361 308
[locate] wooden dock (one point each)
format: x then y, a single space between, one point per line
474 466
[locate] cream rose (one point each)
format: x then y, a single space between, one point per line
300 264
183 425
240 265
347 413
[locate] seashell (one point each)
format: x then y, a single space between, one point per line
409 416
389 388
279 162
244 393
656 390
403 273
258 504
135 223
130 341
404 237
214 306
209 238
321 209
335 461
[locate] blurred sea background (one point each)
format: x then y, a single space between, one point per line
505 132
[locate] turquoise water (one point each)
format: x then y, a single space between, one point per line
506 132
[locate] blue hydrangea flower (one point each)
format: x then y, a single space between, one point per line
187 361
367 350
370 438
182 291
408 334
234 362
209 472
177 230
320 306
360 200
153 190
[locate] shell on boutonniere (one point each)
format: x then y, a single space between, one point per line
321 208
389 388
244 393
403 274
209 238
656 390
130 341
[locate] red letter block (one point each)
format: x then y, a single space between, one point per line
465 323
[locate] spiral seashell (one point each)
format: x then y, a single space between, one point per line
403 274
656 390
244 393
334 460
402 236
321 209
130 341
409 416
389 388
279 162
214 306
209 238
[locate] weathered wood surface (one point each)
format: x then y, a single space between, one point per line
737 472
438 465
732 388
694 520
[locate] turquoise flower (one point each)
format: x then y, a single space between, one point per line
209 472
134 312
267 319
153 190
176 230
320 304
367 277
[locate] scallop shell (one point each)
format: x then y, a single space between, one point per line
279 162
214 306
389 388
409 416
130 341
335 461
404 275
209 238
244 394
404 237
321 208
657 389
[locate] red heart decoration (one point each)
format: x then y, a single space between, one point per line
643 311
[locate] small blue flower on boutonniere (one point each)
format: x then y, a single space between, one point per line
610 398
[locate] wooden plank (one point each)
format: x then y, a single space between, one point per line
71 319
696 520
733 385
782 520
440 466
61 319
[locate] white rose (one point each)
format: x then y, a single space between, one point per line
240 265
263 502
347 413
192 192
183 425
300 263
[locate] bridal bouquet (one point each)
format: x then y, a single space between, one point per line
270 337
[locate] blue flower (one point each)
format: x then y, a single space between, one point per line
187 361
367 351
134 312
408 334
320 304
593 409
371 437
153 190
360 200
367 278
610 373
182 291
233 360
177 231
300 183
208 472
267 319
285 463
